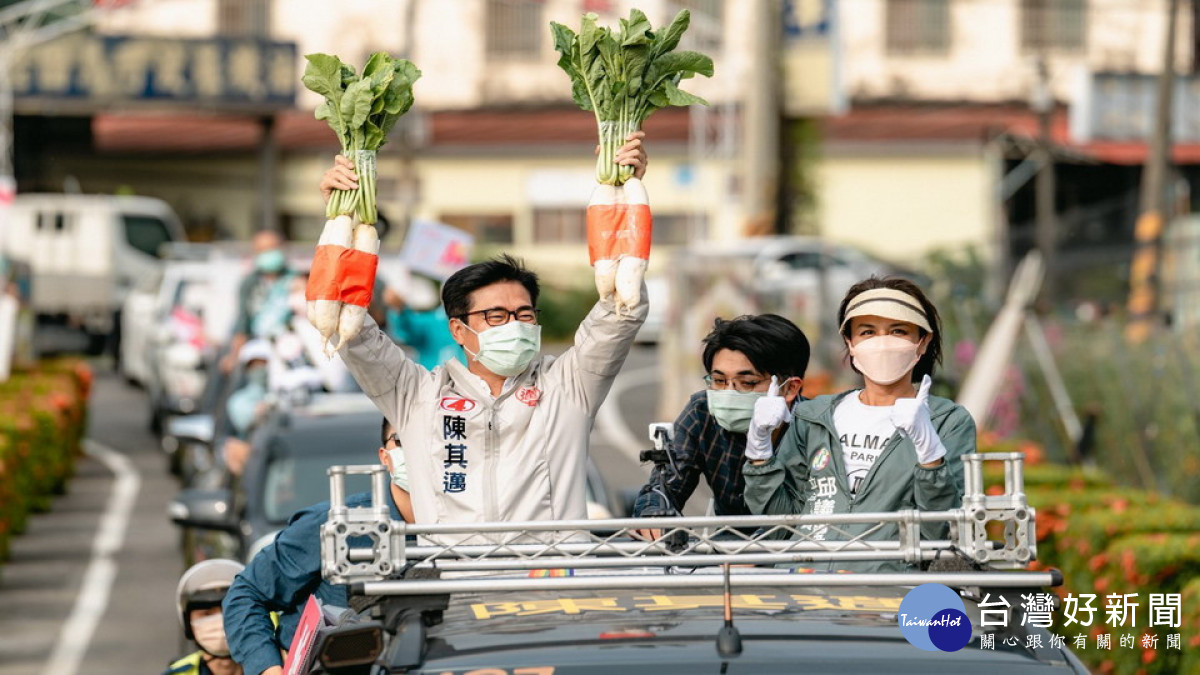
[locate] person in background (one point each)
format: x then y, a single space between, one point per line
248 404
417 320
742 358
198 605
263 307
285 573
885 446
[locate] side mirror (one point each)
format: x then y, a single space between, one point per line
204 509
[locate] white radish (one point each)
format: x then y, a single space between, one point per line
314 316
338 232
602 209
631 269
366 238
630 273
606 278
350 320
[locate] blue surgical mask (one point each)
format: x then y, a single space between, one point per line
258 377
270 262
733 409
507 350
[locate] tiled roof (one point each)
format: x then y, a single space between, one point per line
483 129
298 130
895 123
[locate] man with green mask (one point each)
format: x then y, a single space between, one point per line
503 437
744 360
263 296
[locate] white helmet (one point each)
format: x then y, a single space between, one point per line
203 585
255 350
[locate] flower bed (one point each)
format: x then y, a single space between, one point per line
1114 540
43 414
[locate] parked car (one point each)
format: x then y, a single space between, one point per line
87 252
802 277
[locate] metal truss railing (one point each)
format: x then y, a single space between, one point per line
363 546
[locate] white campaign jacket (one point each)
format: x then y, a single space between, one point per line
519 456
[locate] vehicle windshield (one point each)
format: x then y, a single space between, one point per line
295 476
293 483
146 233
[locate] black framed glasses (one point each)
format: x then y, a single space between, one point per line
498 316
742 384
394 438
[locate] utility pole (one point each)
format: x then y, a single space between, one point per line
1045 233
1143 272
760 122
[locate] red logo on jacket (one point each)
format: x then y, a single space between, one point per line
529 395
453 404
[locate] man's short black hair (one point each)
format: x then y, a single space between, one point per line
456 292
774 345
384 431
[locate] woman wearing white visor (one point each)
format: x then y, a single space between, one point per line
886 446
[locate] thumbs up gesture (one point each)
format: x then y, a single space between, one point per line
911 416
770 412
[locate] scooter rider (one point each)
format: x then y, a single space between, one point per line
198 605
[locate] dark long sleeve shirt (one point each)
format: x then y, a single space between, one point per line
280 579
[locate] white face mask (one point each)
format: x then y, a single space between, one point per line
886 359
399 468
209 632
507 350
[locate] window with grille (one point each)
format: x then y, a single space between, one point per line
679 228
1057 25
560 226
918 26
487 228
514 28
244 18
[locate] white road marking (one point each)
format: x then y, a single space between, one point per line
92 600
609 421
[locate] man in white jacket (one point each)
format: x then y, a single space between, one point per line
505 437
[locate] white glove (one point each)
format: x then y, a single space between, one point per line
911 416
770 412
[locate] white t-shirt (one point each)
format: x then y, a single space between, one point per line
863 430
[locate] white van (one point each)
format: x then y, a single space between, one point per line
87 252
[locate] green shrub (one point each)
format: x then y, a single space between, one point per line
43 415
1120 540
562 311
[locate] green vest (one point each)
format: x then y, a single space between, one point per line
188 665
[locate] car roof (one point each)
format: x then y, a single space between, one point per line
326 425
674 631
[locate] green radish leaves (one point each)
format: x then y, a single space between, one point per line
623 76
361 110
